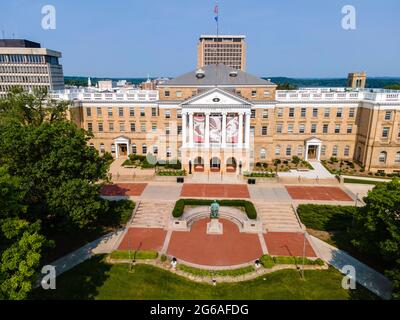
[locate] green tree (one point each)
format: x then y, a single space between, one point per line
377 226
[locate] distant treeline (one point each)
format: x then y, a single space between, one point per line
283 83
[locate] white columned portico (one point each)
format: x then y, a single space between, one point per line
207 130
240 136
223 143
184 129
315 142
247 131
191 129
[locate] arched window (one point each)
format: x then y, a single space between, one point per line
134 149
299 151
288 151
263 153
91 145
397 157
144 148
113 148
102 149
323 150
382 157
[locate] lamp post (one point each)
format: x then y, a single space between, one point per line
304 254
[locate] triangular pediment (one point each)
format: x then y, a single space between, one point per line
216 96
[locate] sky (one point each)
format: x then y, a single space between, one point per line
292 38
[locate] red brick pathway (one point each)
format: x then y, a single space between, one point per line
143 239
287 244
230 248
318 193
215 190
123 189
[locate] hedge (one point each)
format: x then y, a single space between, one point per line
140 255
221 273
326 217
268 261
247 205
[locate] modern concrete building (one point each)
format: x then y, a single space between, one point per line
221 119
24 63
226 49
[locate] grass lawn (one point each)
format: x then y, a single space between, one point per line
95 279
361 181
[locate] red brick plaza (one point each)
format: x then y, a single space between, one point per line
215 190
229 249
123 189
317 193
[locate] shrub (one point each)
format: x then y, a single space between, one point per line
248 206
267 261
210 273
163 258
171 173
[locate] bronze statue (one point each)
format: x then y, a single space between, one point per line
214 210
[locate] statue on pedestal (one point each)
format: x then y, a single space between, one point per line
214 226
214 210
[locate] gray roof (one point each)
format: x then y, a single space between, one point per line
217 74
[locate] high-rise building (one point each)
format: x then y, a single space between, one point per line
226 49
26 64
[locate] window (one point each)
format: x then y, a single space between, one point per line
388 115
303 112
385 132
154 112
98 111
134 149
100 127
351 112
279 128
113 148
111 126
179 129
102 149
133 127
265 114
290 128
323 150
167 93
302 128
154 127
382 157
167 114
349 128
337 128
110 112
299 151
314 128
339 112
121 111
291 112
315 112
155 150
335 151
346 151
278 150
90 126
143 127
142 112
168 152
167 129
253 113
266 93
398 133
280 112
288 151
397 157
327 112
132 112
253 93
91 145
325 128
264 130
179 114
263 154
144 148
89 112
122 127
179 94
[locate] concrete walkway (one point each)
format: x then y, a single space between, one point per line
366 276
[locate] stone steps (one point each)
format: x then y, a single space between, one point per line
152 214
278 217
